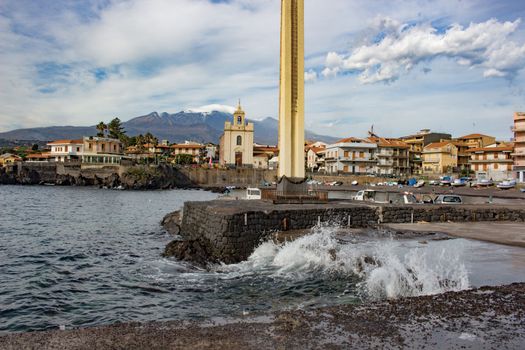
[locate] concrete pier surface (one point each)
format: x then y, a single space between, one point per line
508 233
486 318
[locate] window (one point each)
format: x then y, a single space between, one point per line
239 120
496 166
239 140
103 147
114 148
78 149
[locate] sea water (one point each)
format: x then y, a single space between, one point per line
78 257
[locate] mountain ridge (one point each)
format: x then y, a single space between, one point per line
177 127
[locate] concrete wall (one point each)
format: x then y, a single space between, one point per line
236 177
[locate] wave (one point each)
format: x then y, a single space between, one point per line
385 268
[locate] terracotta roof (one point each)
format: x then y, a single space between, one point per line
38 156
9 155
265 148
493 149
438 144
187 146
66 142
316 150
391 143
350 140
473 136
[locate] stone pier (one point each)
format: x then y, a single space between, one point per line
229 231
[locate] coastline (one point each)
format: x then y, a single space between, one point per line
483 318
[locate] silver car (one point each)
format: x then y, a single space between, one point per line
448 199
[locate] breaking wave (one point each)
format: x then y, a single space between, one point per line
385 268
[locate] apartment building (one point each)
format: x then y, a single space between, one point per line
492 162
392 156
417 143
477 140
519 146
196 150
351 156
439 158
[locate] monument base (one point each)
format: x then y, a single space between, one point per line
290 185
295 191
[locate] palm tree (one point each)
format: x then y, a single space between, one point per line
101 128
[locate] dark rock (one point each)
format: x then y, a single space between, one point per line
191 251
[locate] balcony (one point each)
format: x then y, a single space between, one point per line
501 160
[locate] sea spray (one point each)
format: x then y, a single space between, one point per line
383 267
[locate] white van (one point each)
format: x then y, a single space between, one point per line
253 193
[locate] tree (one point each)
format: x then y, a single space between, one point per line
101 128
149 138
184 159
35 147
116 131
140 140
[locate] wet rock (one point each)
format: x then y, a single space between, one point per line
172 222
190 251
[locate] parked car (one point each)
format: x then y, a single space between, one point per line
448 199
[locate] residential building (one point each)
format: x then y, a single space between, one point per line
236 143
492 162
157 150
197 150
519 145
439 158
315 158
8 158
66 150
262 155
477 140
350 156
463 157
101 151
38 157
417 142
392 156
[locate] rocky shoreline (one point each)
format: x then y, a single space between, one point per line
484 318
134 178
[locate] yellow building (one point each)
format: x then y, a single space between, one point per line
477 140
417 142
101 151
236 144
196 150
8 158
440 158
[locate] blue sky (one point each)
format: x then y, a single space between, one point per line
449 65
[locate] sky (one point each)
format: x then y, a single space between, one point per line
454 66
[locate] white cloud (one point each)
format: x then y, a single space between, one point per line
310 76
486 45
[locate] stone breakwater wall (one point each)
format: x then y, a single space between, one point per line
229 231
228 177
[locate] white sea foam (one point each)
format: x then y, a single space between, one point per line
386 268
